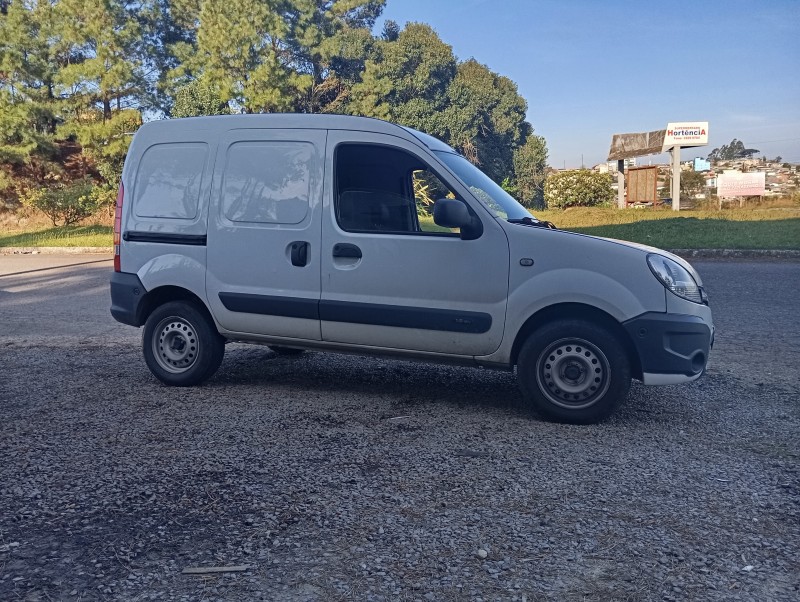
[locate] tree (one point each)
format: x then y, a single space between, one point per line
729 152
28 101
239 47
406 80
170 44
27 70
104 41
578 188
105 140
415 80
530 164
485 118
391 31
278 55
77 75
199 97
692 183
328 42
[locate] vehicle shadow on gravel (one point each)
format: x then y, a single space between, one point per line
413 384
410 383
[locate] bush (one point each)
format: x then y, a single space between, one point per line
578 188
68 203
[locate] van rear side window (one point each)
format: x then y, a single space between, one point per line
267 181
169 179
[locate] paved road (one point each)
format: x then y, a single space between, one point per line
58 296
337 478
757 315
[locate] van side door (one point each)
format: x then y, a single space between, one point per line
391 277
263 232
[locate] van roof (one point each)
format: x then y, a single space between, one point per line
221 123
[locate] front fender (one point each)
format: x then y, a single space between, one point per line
574 285
579 286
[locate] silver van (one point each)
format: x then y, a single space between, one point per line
354 235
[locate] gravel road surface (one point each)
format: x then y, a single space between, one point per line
331 477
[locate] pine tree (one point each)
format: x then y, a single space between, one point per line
27 70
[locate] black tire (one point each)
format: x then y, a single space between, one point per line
287 351
181 345
573 371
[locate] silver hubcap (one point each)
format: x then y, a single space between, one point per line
175 345
573 373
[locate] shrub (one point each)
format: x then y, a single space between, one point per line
578 188
68 203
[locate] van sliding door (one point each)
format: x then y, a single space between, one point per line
264 231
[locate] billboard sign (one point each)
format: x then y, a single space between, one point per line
627 146
688 133
741 184
642 185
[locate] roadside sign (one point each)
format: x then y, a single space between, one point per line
741 184
686 133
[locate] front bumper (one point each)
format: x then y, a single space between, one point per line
672 348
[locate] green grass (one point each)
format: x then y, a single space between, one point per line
729 229
62 236
777 228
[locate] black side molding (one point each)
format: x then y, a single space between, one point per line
288 307
400 316
167 238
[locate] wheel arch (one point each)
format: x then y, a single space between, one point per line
577 311
164 294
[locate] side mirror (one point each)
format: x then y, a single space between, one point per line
450 213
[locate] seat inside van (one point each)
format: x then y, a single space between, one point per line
373 210
374 190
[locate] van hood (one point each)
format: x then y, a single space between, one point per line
648 249
633 246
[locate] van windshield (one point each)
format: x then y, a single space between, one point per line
499 202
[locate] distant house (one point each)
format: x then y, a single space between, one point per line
611 166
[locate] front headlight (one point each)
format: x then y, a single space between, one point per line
675 277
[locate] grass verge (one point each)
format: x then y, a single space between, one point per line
62 236
730 229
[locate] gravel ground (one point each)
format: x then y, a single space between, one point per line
333 477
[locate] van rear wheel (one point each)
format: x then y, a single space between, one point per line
573 371
181 345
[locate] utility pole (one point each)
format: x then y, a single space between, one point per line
675 151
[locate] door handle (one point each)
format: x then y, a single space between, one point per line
343 249
299 253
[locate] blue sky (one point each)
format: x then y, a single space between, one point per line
589 69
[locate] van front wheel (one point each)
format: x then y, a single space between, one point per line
181 346
573 371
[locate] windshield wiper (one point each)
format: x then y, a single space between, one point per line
530 221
